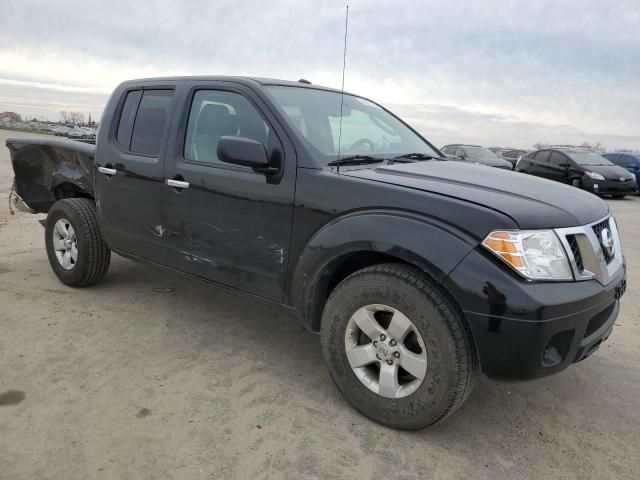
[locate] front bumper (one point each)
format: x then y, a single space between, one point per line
609 187
526 330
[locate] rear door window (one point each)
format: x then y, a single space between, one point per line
127 117
543 156
150 121
558 159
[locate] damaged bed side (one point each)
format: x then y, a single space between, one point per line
48 169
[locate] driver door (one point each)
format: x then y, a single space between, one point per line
227 223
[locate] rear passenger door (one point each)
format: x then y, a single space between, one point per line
129 172
227 223
559 167
540 164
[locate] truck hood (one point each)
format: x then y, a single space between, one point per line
531 202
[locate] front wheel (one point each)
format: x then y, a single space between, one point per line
576 183
397 347
77 252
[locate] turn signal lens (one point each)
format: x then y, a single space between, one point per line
534 254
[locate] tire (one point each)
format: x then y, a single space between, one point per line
619 196
451 360
77 218
576 183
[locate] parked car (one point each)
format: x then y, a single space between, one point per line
628 160
60 131
580 168
417 273
77 133
512 156
475 154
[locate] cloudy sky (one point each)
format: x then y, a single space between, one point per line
493 72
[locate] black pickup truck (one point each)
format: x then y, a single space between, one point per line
417 272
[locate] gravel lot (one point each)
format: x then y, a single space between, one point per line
149 375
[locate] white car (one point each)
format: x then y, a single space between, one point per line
77 133
60 130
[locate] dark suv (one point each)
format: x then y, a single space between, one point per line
627 160
580 168
475 154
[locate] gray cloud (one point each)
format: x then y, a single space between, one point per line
493 72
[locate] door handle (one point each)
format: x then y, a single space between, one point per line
107 171
177 183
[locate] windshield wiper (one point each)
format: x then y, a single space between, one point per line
355 160
408 157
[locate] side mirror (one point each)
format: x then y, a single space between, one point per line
245 152
462 156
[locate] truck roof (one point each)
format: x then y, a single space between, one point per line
253 81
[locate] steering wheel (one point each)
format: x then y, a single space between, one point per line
363 142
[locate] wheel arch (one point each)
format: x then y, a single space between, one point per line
362 240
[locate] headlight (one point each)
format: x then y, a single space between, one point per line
594 175
534 254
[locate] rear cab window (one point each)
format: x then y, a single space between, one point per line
143 120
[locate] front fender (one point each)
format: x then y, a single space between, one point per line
429 244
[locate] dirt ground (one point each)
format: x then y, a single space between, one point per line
149 375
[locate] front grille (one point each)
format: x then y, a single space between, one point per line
597 229
590 258
575 249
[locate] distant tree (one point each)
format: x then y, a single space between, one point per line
64 116
540 145
76 117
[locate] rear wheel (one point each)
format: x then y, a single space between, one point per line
397 347
77 252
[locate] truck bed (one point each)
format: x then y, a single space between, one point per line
47 169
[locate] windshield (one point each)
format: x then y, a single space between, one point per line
584 158
367 129
479 152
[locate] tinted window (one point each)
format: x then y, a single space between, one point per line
216 113
543 156
150 121
479 152
584 158
125 126
558 159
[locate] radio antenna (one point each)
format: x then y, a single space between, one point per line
344 67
